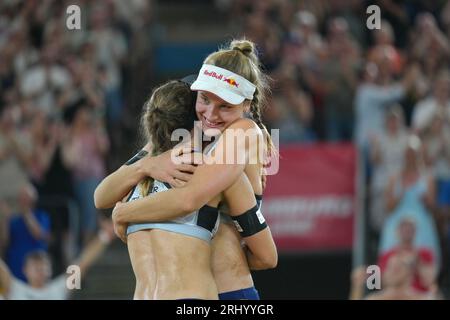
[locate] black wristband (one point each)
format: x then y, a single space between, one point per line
138 156
250 222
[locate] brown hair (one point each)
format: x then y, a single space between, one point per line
240 57
37 255
170 107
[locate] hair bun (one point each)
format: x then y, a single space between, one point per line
244 46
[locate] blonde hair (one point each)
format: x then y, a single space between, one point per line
241 58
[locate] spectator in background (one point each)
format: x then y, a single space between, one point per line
387 151
267 35
45 81
437 152
376 92
84 147
397 15
385 38
429 45
340 77
438 101
15 156
411 193
56 195
396 282
44 137
45 67
38 270
29 230
25 54
110 51
422 259
290 109
304 44
351 11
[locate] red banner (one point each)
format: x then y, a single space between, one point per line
309 204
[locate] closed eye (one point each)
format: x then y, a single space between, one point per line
204 99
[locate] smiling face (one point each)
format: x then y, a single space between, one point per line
216 114
38 271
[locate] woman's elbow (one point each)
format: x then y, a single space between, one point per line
99 202
271 261
188 204
268 260
189 201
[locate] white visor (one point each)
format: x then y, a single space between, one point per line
225 84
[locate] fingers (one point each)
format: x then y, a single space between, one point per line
179 183
181 149
117 232
191 157
121 232
121 236
186 147
175 182
186 158
186 168
182 176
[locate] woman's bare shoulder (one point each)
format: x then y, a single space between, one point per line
245 124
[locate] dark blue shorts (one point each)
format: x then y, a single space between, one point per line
242 294
443 193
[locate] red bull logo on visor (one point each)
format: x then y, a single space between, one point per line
231 82
213 74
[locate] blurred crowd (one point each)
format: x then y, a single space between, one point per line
64 97
67 99
387 90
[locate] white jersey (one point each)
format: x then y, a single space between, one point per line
54 290
201 224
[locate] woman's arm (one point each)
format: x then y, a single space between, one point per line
115 186
209 179
262 253
5 278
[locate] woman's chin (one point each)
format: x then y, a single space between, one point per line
211 132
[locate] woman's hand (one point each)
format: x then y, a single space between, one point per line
120 228
175 169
